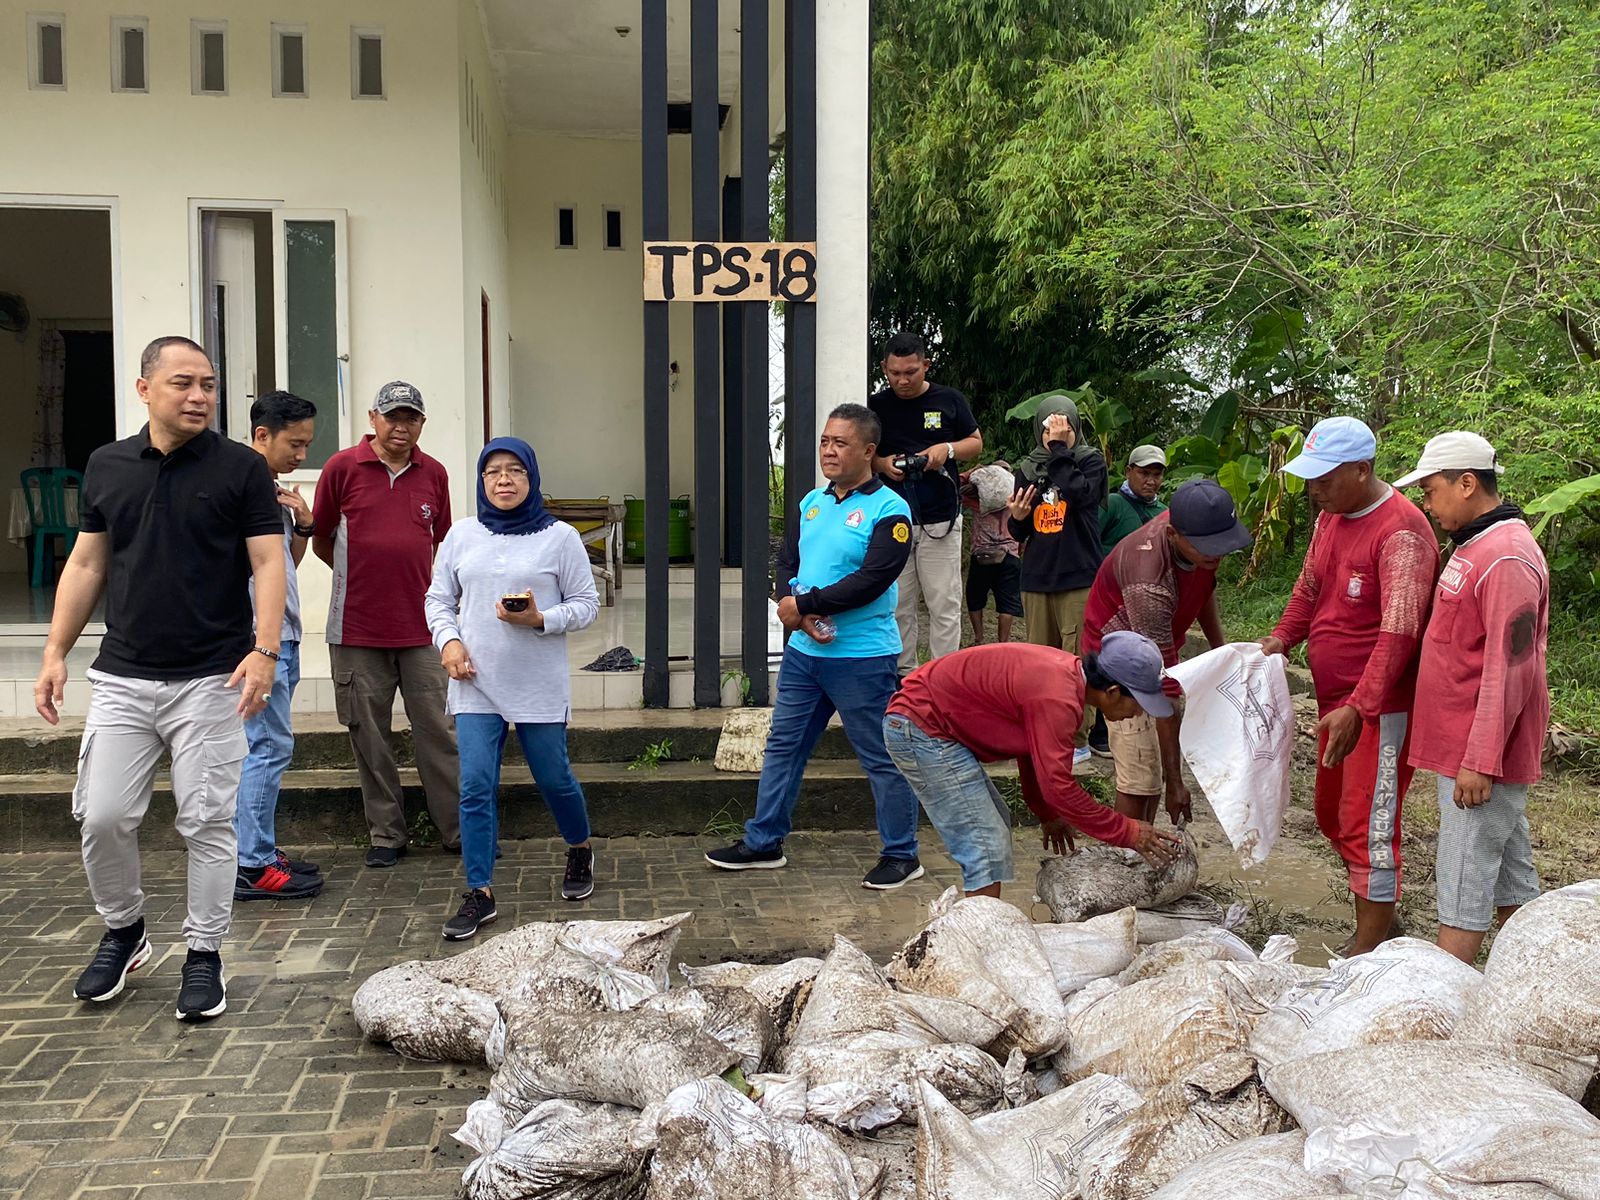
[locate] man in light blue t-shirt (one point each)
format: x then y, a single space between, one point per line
836 583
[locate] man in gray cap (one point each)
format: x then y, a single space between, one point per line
382 508
1020 701
1134 503
1159 581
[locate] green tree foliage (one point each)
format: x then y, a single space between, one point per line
1385 207
952 81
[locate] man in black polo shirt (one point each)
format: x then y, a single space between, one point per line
175 521
924 418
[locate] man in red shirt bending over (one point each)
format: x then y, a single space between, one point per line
1482 670
1012 700
1360 605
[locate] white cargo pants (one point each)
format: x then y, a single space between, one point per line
130 722
932 575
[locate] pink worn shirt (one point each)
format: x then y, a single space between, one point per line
1482 669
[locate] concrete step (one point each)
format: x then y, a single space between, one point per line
323 806
593 736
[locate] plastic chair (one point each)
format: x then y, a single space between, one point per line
46 492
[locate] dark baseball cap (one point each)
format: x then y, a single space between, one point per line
1204 513
1132 660
398 394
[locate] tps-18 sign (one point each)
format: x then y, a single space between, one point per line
716 271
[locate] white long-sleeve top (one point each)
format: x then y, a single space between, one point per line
521 672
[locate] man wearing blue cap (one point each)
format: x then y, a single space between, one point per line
1360 605
1025 702
1160 580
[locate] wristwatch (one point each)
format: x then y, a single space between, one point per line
304 531
272 654
949 452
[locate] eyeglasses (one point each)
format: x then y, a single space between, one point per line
508 472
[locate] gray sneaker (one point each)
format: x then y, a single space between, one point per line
891 873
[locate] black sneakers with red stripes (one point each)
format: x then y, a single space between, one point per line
272 882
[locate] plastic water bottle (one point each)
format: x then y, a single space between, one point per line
825 628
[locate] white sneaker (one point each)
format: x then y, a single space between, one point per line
1080 756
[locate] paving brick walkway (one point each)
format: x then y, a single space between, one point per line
280 1099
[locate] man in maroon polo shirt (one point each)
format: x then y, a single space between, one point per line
382 508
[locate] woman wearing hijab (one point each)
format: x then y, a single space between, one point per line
508 665
1055 517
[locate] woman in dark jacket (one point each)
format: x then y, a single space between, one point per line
1055 517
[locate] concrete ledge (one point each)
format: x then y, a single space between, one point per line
321 743
324 806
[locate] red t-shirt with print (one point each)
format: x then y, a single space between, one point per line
385 528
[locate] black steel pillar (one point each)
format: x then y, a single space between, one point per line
754 166
800 215
656 393
732 395
705 180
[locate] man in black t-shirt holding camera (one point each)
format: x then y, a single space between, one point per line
927 430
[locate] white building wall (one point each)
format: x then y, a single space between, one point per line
577 334
844 49
392 164
485 243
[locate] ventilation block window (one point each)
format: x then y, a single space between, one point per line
566 227
129 57
613 218
289 60
366 64
210 58
47 51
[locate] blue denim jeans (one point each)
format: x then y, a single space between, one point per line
810 690
480 740
271 739
959 798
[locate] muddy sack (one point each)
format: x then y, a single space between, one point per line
1459 1112
1217 1104
1084 951
861 1047
1192 913
439 1009
1405 990
1029 1153
1155 1031
1214 944
406 1007
632 1058
1102 879
782 989
732 1016
1261 1168
709 1142
1542 981
985 953
1237 737
557 1151
503 962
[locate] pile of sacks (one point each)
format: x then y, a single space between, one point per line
995 1057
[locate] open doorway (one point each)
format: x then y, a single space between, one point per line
272 311
58 398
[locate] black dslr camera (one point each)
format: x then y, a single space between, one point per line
911 465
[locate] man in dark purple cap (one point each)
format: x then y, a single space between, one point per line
1158 581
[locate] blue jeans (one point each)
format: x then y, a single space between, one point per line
481 739
271 739
810 690
959 798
